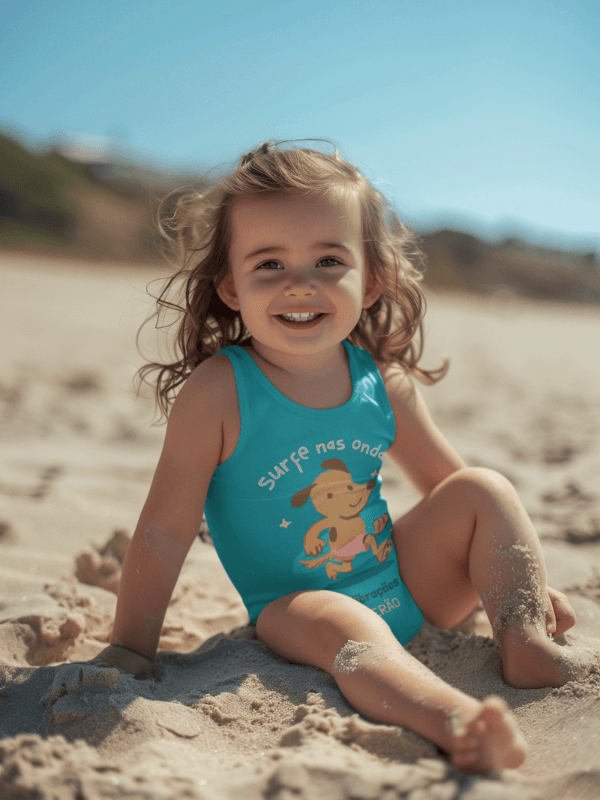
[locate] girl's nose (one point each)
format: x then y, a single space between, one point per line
300 289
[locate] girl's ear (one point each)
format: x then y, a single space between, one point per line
227 293
372 289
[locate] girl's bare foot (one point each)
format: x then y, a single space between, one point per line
530 660
489 741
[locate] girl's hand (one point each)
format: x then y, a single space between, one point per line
560 615
123 659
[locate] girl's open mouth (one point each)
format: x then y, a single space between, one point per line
300 319
300 316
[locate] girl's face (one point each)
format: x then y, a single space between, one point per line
297 272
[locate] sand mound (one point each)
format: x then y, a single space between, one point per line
101 566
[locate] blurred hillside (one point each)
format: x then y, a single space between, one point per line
68 203
85 207
457 260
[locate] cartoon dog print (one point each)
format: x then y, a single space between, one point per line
339 500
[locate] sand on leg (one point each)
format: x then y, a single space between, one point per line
386 684
471 538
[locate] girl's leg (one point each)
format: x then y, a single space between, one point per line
471 538
385 683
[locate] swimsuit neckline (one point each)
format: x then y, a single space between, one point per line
297 407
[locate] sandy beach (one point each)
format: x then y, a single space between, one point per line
223 718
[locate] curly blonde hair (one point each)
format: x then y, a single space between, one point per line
199 230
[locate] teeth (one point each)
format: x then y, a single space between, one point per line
303 316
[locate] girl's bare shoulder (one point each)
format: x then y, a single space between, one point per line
214 373
210 386
398 382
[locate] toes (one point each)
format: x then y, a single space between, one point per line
468 743
489 741
495 713
465 760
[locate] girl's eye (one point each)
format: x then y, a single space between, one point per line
270 265
334 261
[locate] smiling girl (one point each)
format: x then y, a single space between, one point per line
298 344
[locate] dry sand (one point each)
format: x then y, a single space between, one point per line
223 717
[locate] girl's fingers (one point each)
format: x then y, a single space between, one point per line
125 660
564 612
550 617
100 662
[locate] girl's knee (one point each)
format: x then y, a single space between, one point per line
327 612
481 482
340 619
301 614
304 607
311 627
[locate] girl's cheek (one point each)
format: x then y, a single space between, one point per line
352 282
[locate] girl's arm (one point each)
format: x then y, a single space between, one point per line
419 449
171 516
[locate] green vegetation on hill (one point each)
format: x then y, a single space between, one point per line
49 204
34 195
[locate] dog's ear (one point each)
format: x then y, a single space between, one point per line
302 496
335 463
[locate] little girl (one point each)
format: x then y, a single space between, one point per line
301 308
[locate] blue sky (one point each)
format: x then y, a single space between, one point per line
479 114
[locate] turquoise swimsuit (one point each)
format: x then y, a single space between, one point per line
297 506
